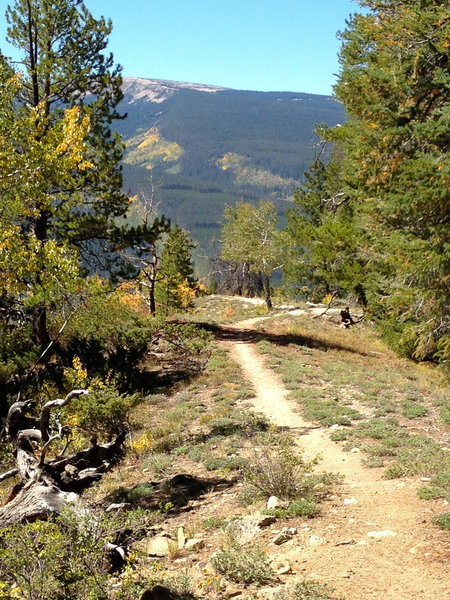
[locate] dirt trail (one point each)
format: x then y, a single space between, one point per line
375 540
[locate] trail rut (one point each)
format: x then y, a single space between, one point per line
375 540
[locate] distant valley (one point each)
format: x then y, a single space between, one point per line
195 148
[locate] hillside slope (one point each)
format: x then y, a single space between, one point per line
202 146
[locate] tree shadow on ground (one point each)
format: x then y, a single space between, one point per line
233 334
173 493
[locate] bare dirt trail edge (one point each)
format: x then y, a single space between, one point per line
375 540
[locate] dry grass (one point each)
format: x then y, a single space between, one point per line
388 406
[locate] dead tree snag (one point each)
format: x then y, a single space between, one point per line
47 484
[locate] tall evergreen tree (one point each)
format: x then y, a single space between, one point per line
64 74
176 285
395 85
327 258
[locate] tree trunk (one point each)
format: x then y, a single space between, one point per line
40 331
34 501
267 293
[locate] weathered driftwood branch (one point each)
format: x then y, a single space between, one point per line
8 474
46 485
46 410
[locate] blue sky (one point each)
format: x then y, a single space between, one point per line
265 45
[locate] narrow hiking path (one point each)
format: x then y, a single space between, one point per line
375 540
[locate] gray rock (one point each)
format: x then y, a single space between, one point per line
274 502
260 520
286 534
317 540
155 546
194 544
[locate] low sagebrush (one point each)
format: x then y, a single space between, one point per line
243 564
279 471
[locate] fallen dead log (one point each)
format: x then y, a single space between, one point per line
46 483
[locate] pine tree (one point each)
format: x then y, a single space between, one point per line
176 285
327 258
66 81
395 85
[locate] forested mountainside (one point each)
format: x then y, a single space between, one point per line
200 147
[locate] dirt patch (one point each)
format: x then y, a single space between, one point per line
375 540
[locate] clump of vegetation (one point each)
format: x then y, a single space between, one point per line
443 521
107 334
140 495
66 557
298 508
243 564
279 470
308 590
104 412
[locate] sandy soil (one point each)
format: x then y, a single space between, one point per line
375 540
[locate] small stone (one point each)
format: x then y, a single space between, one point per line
317 540
283 569
181 537
71 470
349 501
260 520
233 592
381 534
424 479
345 542
284 536
355 450
274 502
194 544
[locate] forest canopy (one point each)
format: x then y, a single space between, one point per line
377 216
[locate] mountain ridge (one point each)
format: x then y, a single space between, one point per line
195 147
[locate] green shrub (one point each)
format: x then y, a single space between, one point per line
245 422
139 495
299 508
430 493
214 523
412 410
158 463
103 412
64 558
232 463
445 414
307 590
443 521
243 564
189 344
279 471
107 334
395 472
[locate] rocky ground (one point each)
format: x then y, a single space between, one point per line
373 540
